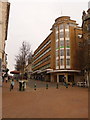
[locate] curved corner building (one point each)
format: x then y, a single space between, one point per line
59 56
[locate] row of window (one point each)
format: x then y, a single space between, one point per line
42 61
62 44
42 54
62 52
64 33
44 67
42 48
62 63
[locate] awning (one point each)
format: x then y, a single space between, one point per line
74 71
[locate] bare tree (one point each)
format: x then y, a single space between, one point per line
24 56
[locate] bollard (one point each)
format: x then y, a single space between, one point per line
57 86
46 86
66 85
34 86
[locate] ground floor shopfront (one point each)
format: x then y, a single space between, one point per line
68 76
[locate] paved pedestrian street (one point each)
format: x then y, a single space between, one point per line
71 102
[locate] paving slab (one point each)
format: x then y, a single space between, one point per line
64 102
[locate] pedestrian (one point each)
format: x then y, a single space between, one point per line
23 85
12 85
20 85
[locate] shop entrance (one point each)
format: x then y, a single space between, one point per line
61 78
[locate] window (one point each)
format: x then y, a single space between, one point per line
61 34
62 52
61 43
66 34
42 48
66 27
44 67
67 52
68 62
61 27
42 54
67 43
67 31
61 38
57 64
61 62
43 60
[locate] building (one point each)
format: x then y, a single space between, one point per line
58 58
4 16
86 44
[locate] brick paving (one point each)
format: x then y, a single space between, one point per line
64 102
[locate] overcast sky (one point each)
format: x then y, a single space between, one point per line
31 21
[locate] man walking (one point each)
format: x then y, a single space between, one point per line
12 85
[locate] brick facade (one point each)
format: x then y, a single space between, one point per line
59 55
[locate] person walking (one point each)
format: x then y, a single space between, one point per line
12 85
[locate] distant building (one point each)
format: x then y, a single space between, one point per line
59 57
4 16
